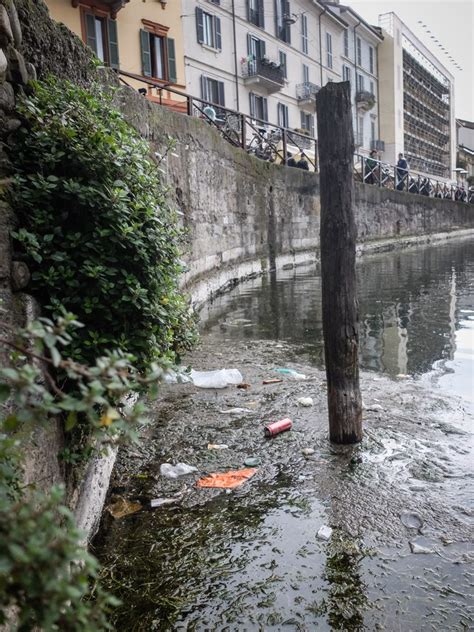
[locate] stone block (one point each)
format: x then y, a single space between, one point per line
31 71
3 66
6 34
17 69
7 97
20 275
14 23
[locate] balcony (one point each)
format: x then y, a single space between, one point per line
264 74
365 100
306 93
113 5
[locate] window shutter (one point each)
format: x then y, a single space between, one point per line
252 104
203 88
200 25
172 75
113 44
217 23
249 44
262 48
146 53
248 10
312 126
90 32
303 120
265 109
261 15
221 92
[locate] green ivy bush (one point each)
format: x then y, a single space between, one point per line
95 226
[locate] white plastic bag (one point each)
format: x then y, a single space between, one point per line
216 379
173 471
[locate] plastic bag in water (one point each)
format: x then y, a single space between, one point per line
216 379
173 471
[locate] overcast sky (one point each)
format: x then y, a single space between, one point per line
451 22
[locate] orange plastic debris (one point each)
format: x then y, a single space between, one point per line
275 380
227 480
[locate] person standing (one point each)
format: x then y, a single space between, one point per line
402 172
370 166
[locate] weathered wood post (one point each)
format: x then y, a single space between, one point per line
338 274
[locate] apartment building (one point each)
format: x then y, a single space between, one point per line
360 67
141 37
465 151
265 58
416 95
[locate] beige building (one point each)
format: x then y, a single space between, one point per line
142 38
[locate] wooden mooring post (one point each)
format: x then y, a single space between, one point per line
338 255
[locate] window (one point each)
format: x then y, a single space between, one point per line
305 73
258 107
346 43
346 73
100 34
212 90
158 52
359 52
282 24
283 62
372 130
329 49
255 13
360 83
255 47
282 115
208 29
304 34
371 59
307 122
372 88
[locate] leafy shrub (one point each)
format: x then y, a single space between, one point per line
45 572
95 226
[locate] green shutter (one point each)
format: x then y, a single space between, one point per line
113 44
90 32
146 53
172 76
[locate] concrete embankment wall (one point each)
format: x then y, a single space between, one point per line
244 216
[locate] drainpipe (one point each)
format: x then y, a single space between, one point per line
236 70
355 78
321 45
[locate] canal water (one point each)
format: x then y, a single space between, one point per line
399 505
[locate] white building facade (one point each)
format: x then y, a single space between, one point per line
360 67
265 58
416 103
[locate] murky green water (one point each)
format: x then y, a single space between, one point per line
250 559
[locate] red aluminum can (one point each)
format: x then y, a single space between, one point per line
278 426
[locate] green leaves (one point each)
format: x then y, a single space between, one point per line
95 227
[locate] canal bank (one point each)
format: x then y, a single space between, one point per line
399 556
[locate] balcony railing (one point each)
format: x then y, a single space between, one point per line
365 100
307 91
264 72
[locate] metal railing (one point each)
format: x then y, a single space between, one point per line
381 174
258 137
265 69
307 91
277 144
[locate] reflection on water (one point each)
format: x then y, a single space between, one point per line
416 310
